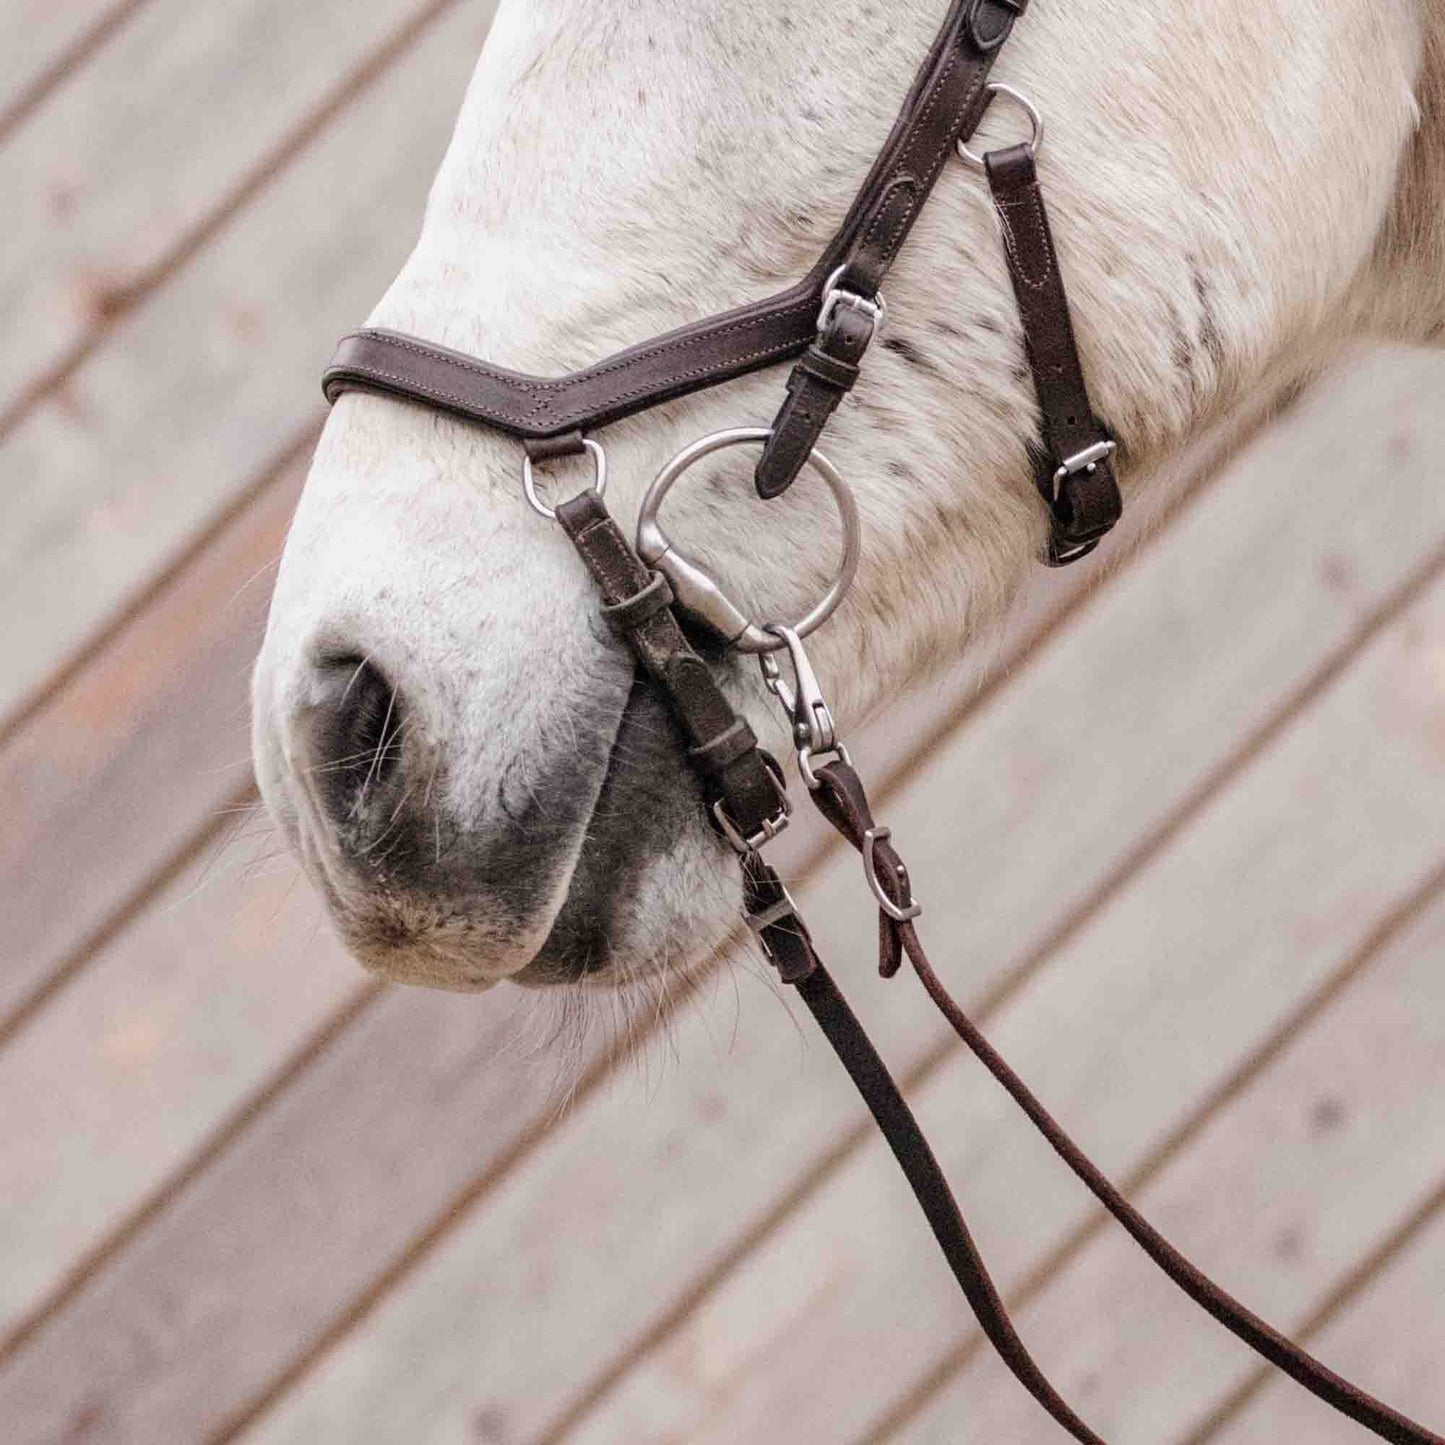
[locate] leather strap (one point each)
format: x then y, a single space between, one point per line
945 102
737 776
818 384
1082 495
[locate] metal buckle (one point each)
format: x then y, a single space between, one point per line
1084 461
771 826
834 296
871 839
765 835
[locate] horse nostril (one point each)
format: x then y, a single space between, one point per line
358 723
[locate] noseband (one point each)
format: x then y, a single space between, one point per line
825 325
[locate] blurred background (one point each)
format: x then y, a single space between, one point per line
1178 828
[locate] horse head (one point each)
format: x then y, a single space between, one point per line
447 732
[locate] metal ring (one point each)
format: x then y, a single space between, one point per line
599 479
1029 109
695 590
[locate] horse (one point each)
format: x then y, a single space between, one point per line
449 737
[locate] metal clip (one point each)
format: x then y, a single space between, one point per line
814 732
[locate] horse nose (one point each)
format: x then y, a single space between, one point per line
354 727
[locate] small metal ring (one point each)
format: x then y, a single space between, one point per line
694 588
599 479
1029 109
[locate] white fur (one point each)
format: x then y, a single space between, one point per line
1237 188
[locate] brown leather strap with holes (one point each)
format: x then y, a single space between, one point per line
944 103
1082 496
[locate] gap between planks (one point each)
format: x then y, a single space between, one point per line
1339 1299
65 64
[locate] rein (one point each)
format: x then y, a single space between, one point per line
825 325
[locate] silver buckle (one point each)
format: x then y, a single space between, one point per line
871 839
834 296
765 835
1084 461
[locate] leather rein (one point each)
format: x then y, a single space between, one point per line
825 324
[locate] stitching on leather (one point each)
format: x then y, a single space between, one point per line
1026 277
470 406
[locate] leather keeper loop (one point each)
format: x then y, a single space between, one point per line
546 449
720 752
633 611
827 369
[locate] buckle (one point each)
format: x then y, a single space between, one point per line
770 828
834 296
1084 461
911 910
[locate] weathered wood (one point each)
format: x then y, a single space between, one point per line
1278 1197
1154 1004
143 749
1390 1339
176 1023
177 413
1221 633
44 41
174 121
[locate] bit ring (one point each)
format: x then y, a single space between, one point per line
695 590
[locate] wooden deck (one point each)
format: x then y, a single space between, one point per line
1181 831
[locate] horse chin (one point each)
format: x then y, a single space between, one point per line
650 892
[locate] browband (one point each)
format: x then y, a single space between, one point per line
945 104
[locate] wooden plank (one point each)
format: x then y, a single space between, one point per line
1278 1197
1156 1002
44 42
1239 564
182 1018
1389 1339
172 126
172 418
145 748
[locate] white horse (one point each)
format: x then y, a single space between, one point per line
444 728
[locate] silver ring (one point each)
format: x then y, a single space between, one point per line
599 478
1029 109
695 590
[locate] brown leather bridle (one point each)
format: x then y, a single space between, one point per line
825 324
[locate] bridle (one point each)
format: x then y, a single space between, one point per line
825 324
